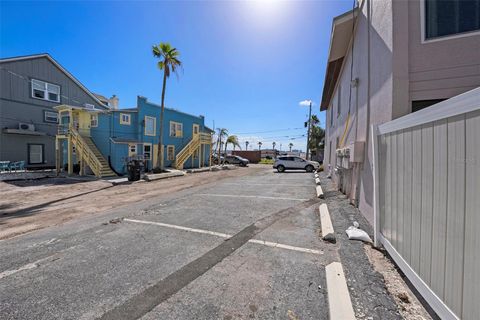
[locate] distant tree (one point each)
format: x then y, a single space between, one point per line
169 63
259 145
317 136
221 132
290 145
274 144
232 140
246 145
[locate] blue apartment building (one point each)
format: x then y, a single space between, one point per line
103 141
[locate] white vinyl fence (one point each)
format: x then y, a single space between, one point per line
427 201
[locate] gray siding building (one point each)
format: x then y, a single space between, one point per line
30 86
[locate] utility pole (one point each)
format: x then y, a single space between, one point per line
308 129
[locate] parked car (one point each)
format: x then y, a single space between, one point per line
242 162
215 159
295 163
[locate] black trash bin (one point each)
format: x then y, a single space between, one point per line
135 169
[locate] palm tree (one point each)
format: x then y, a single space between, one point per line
273 145
290 145
246 145
221 132
233 140
259 145
169 63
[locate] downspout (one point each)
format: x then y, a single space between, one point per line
365 153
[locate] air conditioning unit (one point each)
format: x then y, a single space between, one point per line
26 126
89 106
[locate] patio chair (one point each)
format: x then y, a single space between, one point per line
4 166
18 165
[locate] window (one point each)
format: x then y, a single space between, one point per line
133 148
93 120
45 91
195 129
339 101
147 151
170 153
176 129
150 126
50 116
422 104
35 153
449 17
124 118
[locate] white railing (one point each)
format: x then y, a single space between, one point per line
427 201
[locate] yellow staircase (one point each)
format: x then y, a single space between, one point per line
186 152
88 151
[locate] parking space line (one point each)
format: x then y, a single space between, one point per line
172 226
285 246
242 196
268 184
227 236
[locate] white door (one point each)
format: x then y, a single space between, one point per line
132 149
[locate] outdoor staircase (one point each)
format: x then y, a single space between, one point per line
88 151
186 152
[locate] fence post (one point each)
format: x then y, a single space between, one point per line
376 185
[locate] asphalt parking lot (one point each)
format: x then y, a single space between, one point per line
242 248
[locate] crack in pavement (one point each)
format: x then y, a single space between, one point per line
145 301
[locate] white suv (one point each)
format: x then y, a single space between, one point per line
295 163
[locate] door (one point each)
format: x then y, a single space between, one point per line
132 150
195 130
299 163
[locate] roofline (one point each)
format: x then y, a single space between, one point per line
337 20
171 109
59 66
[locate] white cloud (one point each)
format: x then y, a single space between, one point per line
306 103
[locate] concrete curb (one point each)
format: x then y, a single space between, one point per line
158 176
319 192
328 233
317 180
339 302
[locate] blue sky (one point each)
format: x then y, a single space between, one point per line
247 65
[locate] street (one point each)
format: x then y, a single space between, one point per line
240 248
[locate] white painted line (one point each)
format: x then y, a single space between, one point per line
267 184
213 233
285 246
242 196
339 302
327 227
7 273
32 265
227 236
319 192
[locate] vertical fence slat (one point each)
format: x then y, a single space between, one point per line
428 162
400 191
387 229
440 150
393 189
471 271
455 213
417 189
407 194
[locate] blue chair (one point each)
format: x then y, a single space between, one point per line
4 166
20 165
